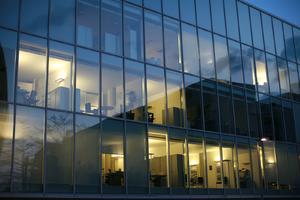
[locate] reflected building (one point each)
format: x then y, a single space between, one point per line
148 99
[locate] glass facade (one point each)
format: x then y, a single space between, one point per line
139 97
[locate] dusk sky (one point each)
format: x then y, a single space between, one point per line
288 10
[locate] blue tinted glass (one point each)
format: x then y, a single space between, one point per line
9 13
297 42
222 62
62 20
187 11
217 12
279 42
206 54
138 2
283 77
244 22
273 75
88 23
203 14
111 26
289 42
248 64
258 41
171 8
231 19
294 80
235 63
261 71
268 33
34 16
153 4
8 44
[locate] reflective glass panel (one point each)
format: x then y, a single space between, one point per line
171 8
279 42
248 64
229 164
235 61
278 119
293 165
268 33
289 121
257 34
253 114
261 71
153 4
297 42
187 11
255 161
282 166
273 75
203 14
11 9
218 17
270 165
244 21
289 42
283 77
294 80
266 116
214 166
244 165
222 61
231 19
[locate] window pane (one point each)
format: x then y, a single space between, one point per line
266 116
240 110
217 13
221 55
193 97
176 102
87 132
153 4
196 163
112 156
289 42
248 64
59 156
214 168
256 170
153 38
158 158
283 178
226 113
244 22
111 26
60 76
270 165
261 71
156 96
137 176
296 109
133 32
283 77
171 8
34 16
278 33
32 71
297 42
135 90
138 2
8 44
229 164
11 9
203 14
88 23
87 81
278 119
289 121
112 86
62 20
6 135
235 60
231 19
172 44
187 11
190 49
273 75
206 54
258 40
268 33
253 114
293 166
28 154
294 80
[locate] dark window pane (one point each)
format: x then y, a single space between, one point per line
293 166
221 55
6 135
8 44
153 38
32 71
135 99
217 13
296 109
112 156
59 157
289 42
244 22
282 166
240 110
258 40
206 54
289 121
255 161
87 133
9 13
203 14
266 116
190 49
294 80
61 76
112 86
248 64
193 102
253 114
187 11
270 166
111 26
231 19
153 4
283 78
133 32
273 75
244 165
268 33
278 33
156 95
62 20
278 119
87 81
34 16
171 8
226 114
297 42
235 61
261 71
28 154
137 176
88 23
172 44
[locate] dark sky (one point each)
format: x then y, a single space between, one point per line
288 10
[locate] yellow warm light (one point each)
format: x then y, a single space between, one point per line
117 156
270 161
194 162
261 73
